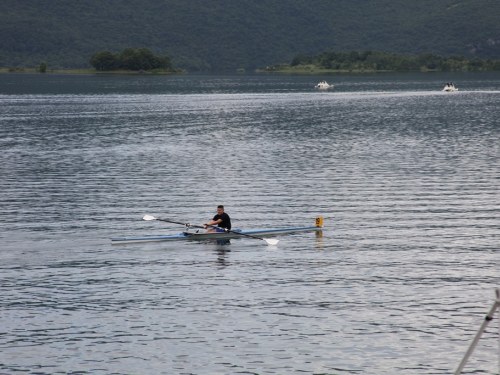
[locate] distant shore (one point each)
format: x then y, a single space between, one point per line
289 70
90 71
324 71
311 69
317 71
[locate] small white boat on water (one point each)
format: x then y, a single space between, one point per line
449 87
323 85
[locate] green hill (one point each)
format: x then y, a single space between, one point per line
230 34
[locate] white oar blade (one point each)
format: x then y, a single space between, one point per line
272 242
148 217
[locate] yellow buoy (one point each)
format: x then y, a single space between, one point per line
319 221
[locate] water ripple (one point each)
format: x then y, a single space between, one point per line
398 281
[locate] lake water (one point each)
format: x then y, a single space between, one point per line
406 177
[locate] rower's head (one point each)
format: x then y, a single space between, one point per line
220 209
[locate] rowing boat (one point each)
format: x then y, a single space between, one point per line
205 236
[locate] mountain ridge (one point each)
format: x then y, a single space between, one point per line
230 34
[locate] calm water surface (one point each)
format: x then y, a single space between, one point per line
406 177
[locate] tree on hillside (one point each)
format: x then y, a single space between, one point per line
104 60
165 63
129 59
429 60
301 59
147 59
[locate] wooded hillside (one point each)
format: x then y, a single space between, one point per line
230 34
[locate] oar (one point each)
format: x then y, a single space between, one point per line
269 241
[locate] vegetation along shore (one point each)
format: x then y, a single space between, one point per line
128 61
143 61
375 61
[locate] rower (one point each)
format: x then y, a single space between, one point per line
222 221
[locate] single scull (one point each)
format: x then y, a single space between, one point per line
204 236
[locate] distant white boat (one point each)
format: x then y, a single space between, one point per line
450 87
323 85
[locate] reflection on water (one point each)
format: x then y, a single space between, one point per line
319 239
398 281
222 255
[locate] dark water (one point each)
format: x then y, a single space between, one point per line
406 177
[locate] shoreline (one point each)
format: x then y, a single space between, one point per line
315 70
88 71
289 71
329 71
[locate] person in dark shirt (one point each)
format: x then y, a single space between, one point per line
222 221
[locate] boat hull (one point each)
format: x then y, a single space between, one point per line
206 236
450 88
